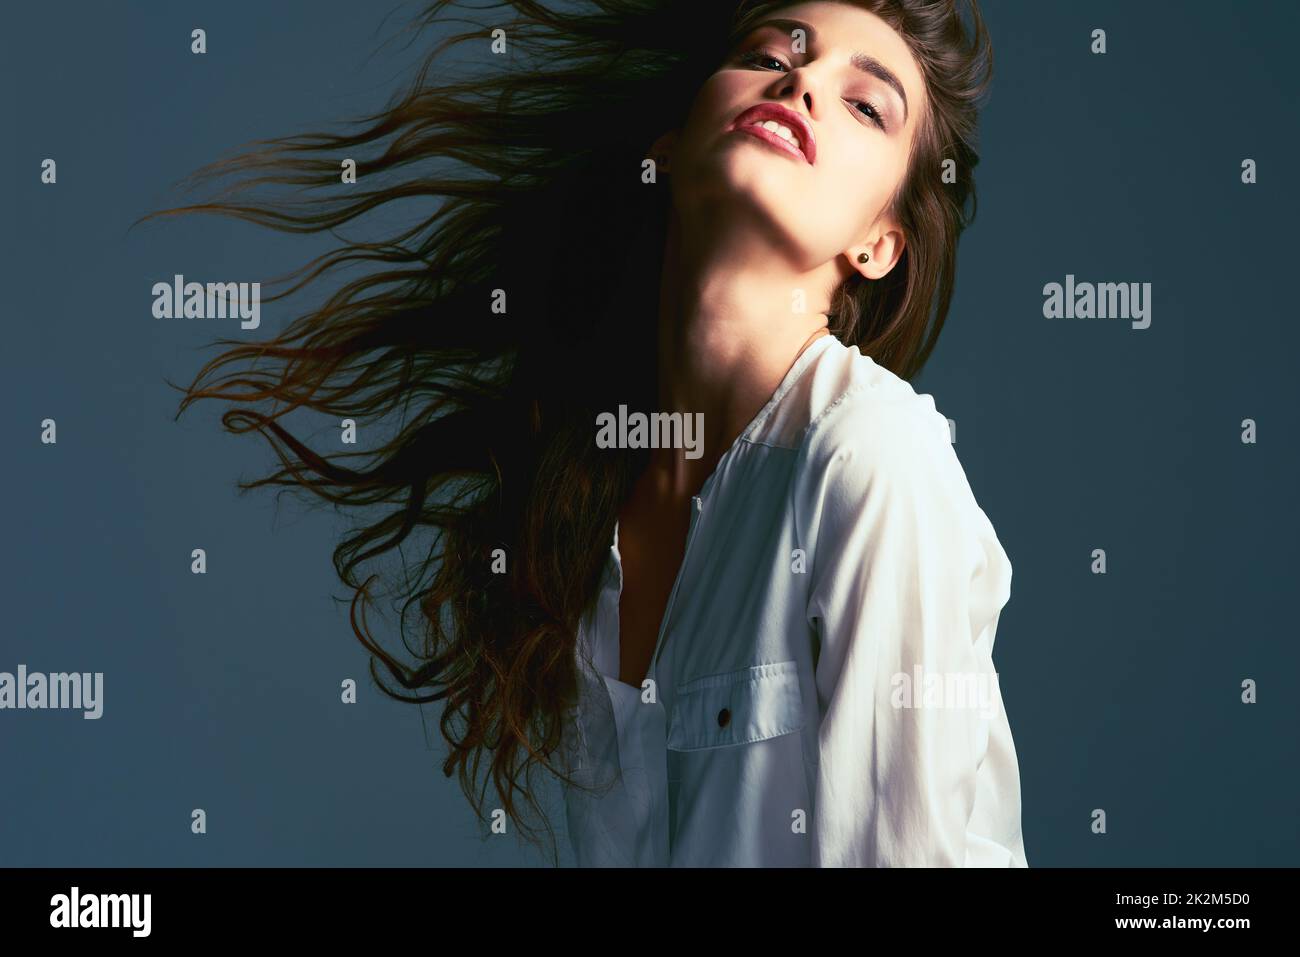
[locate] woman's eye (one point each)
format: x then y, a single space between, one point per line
759 58
763 59
870 111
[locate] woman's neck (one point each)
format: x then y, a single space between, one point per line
729 331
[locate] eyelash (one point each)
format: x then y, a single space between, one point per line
754 56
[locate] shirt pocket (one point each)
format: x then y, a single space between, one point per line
736 707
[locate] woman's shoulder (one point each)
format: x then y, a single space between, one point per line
858 405
843 396
874 446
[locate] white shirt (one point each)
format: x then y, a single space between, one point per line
836 560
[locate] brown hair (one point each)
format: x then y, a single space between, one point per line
492 412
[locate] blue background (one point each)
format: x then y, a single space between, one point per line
222 690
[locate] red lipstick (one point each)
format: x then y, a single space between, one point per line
807 146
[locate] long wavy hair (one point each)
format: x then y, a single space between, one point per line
484 338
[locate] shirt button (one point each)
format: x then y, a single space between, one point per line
724 717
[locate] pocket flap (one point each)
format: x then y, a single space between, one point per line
736 707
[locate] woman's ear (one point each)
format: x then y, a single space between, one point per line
662 150
873 258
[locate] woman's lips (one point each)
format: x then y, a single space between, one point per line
767 136
806 149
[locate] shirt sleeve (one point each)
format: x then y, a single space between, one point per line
916 765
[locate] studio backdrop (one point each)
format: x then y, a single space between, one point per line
1116 369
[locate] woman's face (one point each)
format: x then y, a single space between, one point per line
821 198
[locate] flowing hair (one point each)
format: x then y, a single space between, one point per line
488 335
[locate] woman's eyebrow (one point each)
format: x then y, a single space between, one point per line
859 61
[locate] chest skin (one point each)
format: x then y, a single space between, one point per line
651 541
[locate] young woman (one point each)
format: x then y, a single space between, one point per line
765 643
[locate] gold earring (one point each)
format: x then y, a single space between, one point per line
863 257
